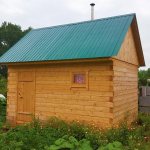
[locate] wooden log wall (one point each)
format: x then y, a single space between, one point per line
56 97
12 95
125 83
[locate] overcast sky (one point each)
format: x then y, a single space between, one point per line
42 13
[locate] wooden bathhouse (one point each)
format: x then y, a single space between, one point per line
85 71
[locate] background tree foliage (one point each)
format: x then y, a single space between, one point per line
9 35
143 76
3 85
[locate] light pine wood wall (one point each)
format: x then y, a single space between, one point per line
128 51
125 81
55 96
125 84
111 93
12 95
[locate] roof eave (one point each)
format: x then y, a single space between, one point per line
102 59
137 39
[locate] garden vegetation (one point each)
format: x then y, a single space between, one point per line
3 85
57 134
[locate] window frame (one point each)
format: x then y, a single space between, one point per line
79 85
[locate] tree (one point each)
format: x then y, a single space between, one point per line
143 76
9 35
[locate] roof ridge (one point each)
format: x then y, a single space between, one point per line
88 21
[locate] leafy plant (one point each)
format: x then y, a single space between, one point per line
112 146
57 133
70 143
2 111
3 85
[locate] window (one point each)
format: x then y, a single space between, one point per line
79 79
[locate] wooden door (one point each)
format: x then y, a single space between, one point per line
26 96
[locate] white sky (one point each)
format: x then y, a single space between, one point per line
42 13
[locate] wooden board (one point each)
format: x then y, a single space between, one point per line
26 76
111 93
54 95
26 97
144 101
128 51
125 85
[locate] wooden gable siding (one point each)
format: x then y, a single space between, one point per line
128 52
125 84
54 95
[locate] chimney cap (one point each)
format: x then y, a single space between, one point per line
92 4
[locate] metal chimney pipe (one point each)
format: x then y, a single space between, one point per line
92 11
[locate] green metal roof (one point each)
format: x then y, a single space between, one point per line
89 39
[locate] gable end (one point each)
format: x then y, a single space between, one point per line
131 49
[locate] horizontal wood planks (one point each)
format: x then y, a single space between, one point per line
128 51
110 94
12 95
125 83
54 95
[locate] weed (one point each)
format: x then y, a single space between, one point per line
38 135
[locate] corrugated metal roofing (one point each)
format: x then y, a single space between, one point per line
90 39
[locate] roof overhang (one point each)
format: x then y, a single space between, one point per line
106 59
137 39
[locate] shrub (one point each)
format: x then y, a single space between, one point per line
112 146
3 85
71 143
2 111
38 136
